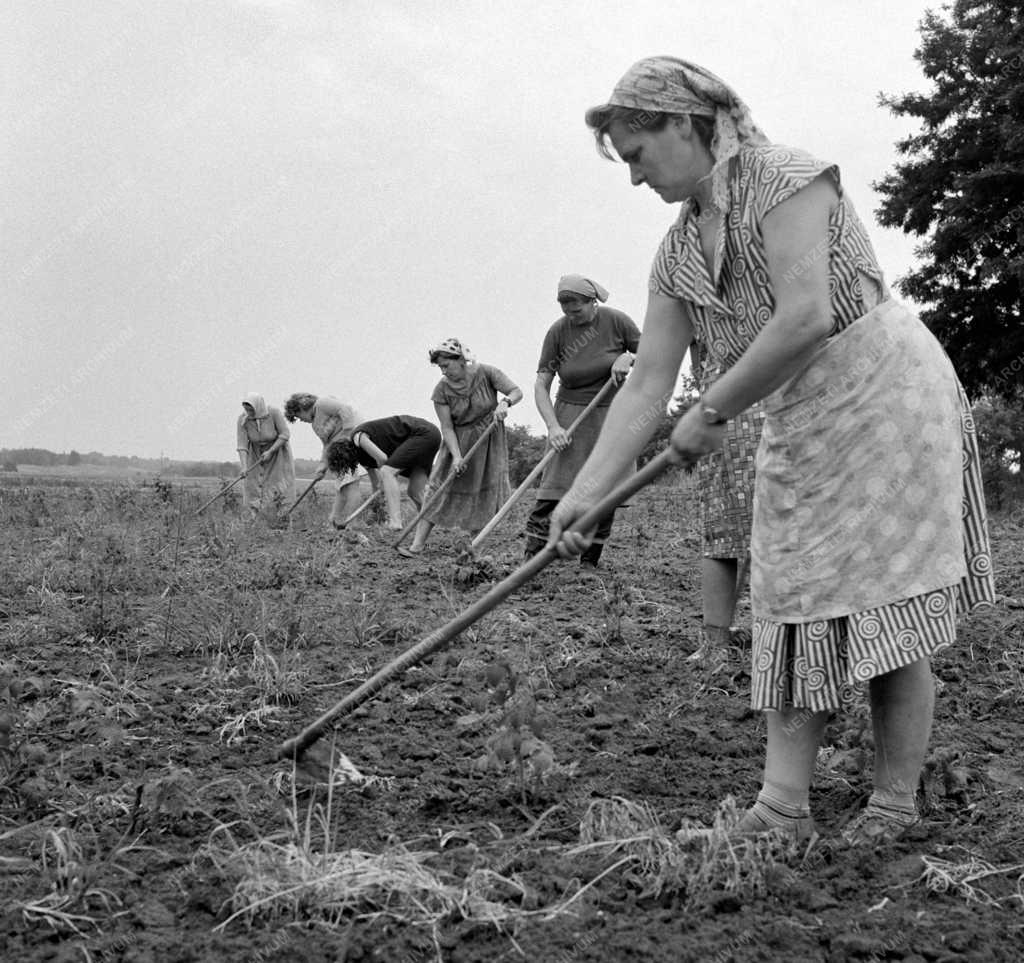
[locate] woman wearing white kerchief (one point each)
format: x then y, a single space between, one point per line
869 520
262 439
466 401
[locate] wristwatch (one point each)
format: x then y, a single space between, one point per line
712 415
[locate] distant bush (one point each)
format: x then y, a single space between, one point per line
8 466
1000 427
681 403
524 451
30 456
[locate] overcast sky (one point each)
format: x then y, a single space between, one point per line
203 199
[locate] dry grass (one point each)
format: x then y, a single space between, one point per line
236 728
249 683
301 873
362 618
74 866
965 879
1008 673
287 879
695 862
279 680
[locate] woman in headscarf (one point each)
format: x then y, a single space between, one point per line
585 347
466 402
330 420
869 532
263 440
398 445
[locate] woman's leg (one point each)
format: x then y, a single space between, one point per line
793 739
346 501
392 497
718 593
423 529
718 590
418 479
902 706
592 555
537 525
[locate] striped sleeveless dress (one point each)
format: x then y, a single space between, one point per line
869 530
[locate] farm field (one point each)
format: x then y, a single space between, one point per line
531 793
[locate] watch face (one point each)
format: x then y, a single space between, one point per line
712 417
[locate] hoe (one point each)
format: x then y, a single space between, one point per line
295 747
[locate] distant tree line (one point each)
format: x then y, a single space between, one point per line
10 458
999 420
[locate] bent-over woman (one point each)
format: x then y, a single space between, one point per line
869 532
397 445
466 402
263 434
585 347
331 419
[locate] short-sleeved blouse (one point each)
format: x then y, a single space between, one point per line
477 398
730 312
582 355
331 417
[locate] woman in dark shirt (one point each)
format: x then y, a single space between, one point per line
397 445
585 347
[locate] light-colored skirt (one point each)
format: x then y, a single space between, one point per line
271 485
477 494
869 533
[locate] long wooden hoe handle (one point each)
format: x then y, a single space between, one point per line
202 508
294 747
305 492
435 495
539 467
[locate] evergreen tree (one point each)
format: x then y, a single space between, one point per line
961 186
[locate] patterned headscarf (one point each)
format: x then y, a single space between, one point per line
454 347
578 284
673 86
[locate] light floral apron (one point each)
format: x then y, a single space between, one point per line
859 477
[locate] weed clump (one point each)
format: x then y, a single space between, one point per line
694 863
471 569
517 742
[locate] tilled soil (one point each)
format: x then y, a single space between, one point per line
154 661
